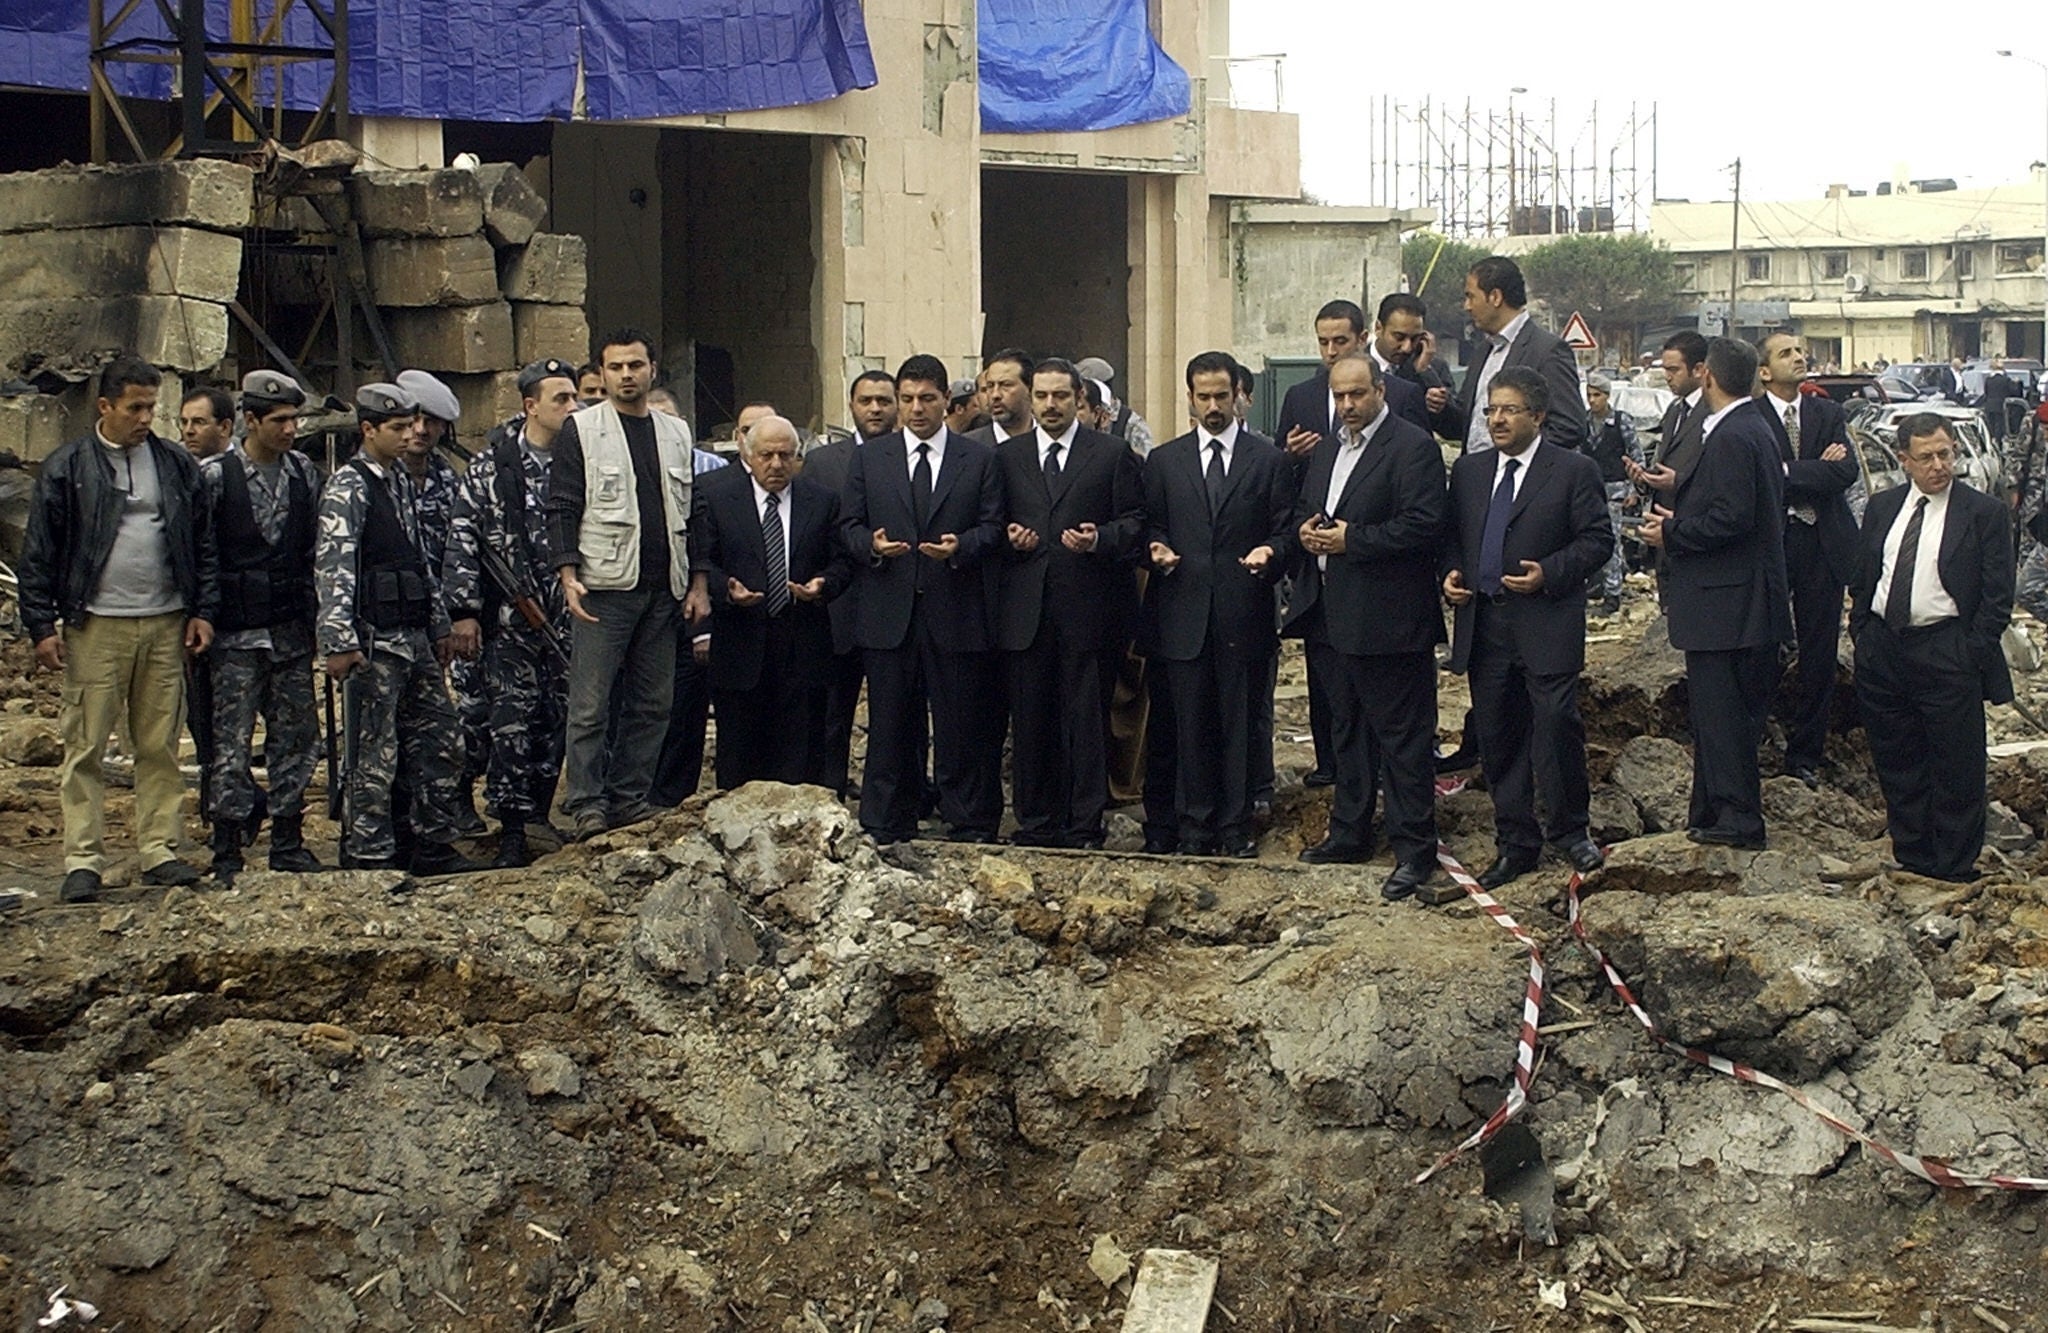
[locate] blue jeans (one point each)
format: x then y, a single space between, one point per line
631 653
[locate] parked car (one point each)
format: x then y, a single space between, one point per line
1874 431
1644 404
1849 387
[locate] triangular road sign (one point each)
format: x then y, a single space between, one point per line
1578 335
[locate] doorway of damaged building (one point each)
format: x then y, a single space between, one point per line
1055 265
704 238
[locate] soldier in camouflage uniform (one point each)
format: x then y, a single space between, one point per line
501 507
2026 480
384 631
263 496
435 482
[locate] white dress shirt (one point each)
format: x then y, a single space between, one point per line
1787 415
995 428
1931 601
1476 437
781 512
1350 452
1066 443
1707 430
938 451
1500 467
1204 439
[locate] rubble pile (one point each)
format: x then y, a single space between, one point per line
736 1069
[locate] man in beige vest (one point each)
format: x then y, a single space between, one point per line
619 499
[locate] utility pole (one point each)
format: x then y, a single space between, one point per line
1735 249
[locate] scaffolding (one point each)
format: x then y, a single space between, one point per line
214 74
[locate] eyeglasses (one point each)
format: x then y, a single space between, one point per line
1506 410
1945 457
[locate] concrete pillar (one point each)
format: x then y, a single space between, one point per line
1169 296
396 144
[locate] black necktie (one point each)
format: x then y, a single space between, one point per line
1494 535
1052 463
778 555
921 487
1215 475
1898 603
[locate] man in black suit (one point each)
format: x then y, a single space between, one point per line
872 401
1005 381
1075 502
1724 595
1949 383
1370 519
1496 301
1933 594
922 513
1820 540
1532 528
1680 436
1217 502
767 550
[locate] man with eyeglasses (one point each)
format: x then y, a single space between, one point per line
1933 594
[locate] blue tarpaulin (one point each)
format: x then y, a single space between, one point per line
508 60
1074 65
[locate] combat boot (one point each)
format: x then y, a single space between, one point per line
441 858
227 850
512 850
288 850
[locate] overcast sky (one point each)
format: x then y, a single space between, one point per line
1845 107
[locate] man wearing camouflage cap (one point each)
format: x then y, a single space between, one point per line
501 510
385 635
263 496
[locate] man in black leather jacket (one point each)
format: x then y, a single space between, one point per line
118 585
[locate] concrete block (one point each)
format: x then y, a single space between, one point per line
462 340
204 192
486 400
549 330
422 271
418 203
121 261
33 425
513 209
552 267
179 332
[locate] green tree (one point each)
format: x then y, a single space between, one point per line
1446 279
1617 281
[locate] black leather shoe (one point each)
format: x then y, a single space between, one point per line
1084 842
1244 849
441 858
1456 761
513 852
1159 844
1330 852
1506 868
1714 837
1805 775
81 886
1585 855
171 873
1319 777
1405 881
973 836
1197 847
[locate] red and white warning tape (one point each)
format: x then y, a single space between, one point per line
1930 1169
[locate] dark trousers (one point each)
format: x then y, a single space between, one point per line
1922 706
622 674
679 770
1382 732
1532 741
1261 757
966 748
1817 614
832 754
1213 706
1059 737
766 734
1162 752
1319 706
1729 696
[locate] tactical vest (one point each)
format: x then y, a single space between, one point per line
1608 449
261 585
391 577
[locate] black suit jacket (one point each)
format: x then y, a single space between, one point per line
826 466
1951 386
1560 521
1209 586
1976 568
1724 576
1380 595
954 595
728 544
1543 352
1811 481
1307 406
1091 595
